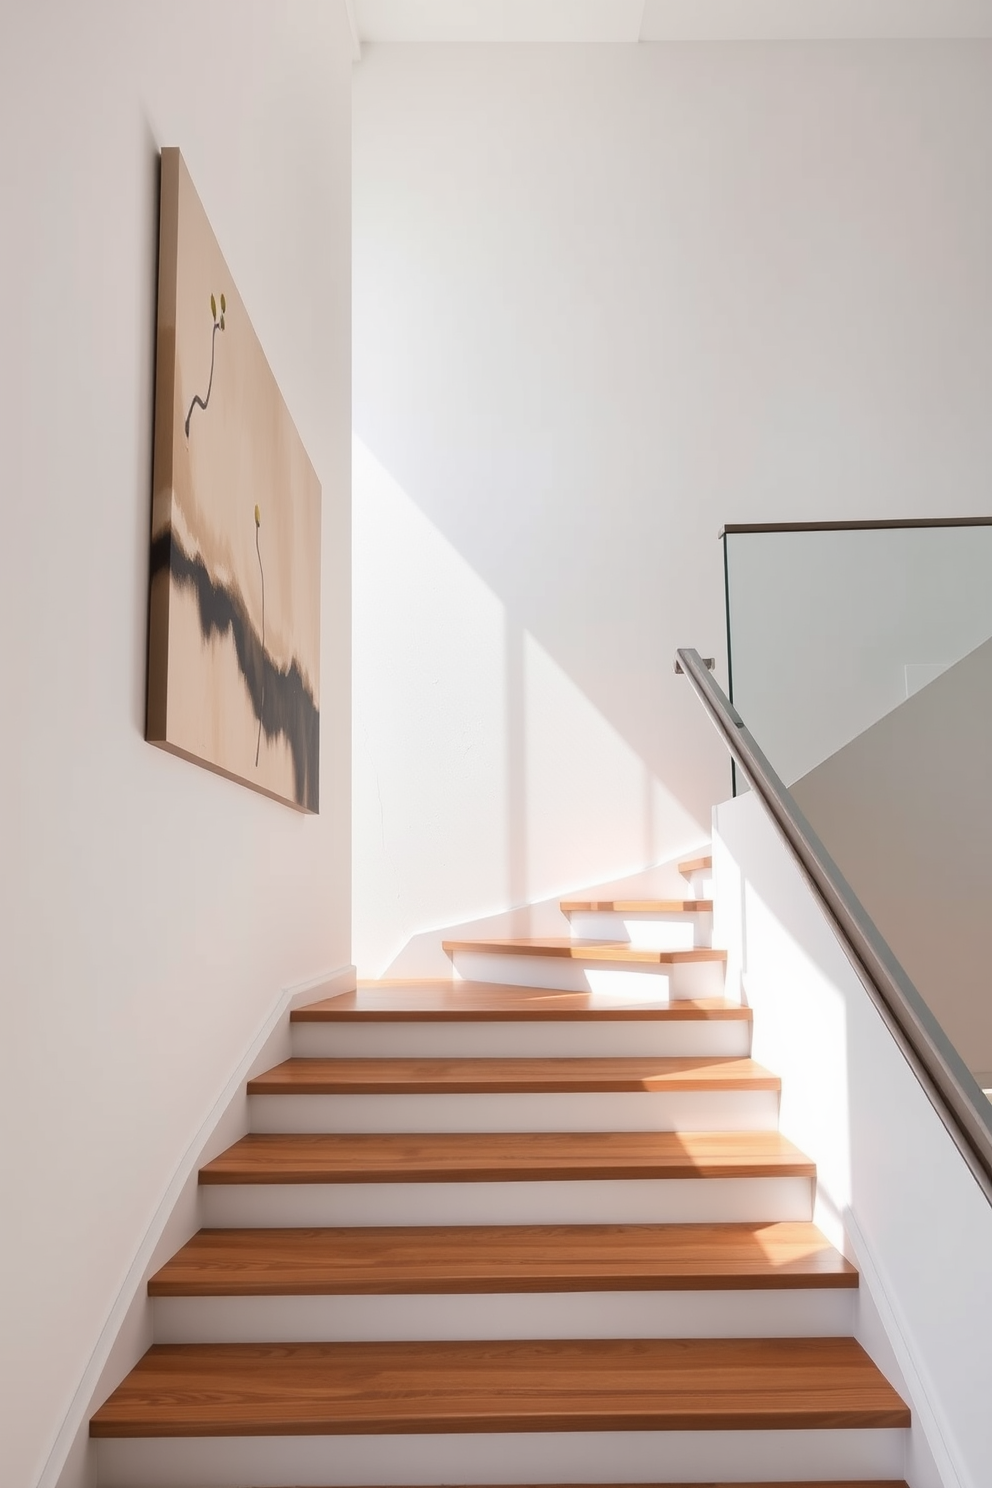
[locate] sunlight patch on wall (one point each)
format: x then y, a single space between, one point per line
802 1014
484 777
429 800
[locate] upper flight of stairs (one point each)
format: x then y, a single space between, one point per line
490 1232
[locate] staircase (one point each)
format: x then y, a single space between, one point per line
537 1225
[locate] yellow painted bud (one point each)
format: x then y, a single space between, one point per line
258 517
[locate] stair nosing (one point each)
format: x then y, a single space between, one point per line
510 1076
467 1260
481 1002
500 1157
501 1385
561 948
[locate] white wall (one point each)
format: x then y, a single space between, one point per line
607 299
905 810
151 912
892 1189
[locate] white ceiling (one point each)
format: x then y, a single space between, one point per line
631 21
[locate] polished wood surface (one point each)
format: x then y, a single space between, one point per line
482 1002
537 1385
695 865
504 1258
509 1076
493 1157
636 906
582 950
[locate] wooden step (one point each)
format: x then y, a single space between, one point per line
696 865
494 1157
636 906
617 952
571 1385
484 1002
508 1076
503 1258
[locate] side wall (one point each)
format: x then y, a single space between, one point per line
152 913
892 1189
607 299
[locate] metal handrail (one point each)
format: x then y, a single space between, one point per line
950 1086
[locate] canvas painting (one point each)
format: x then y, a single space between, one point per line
234 618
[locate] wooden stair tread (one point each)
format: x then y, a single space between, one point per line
695 865
582 950
510 1076
537 1385
636 906
480 1002
493 1157
503 1258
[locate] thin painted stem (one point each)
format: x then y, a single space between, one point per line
204 401
261 709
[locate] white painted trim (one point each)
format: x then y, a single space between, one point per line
521 1111
482 1457
507 1315
129 1318
356 40
610 1038
555 1201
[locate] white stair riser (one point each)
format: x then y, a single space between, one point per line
700 883
511 1457
656 932
582 1201
606 1039
704 1110
791 1314
567 974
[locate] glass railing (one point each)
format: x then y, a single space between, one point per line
942 1058
831 626
860 657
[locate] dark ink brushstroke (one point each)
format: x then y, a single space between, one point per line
258 550
281 699
218 326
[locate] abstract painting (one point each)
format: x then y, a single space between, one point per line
234 614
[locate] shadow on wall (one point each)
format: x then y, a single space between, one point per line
485 778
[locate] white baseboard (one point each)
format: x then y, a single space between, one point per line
127 1332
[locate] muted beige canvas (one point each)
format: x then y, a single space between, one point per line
234 643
